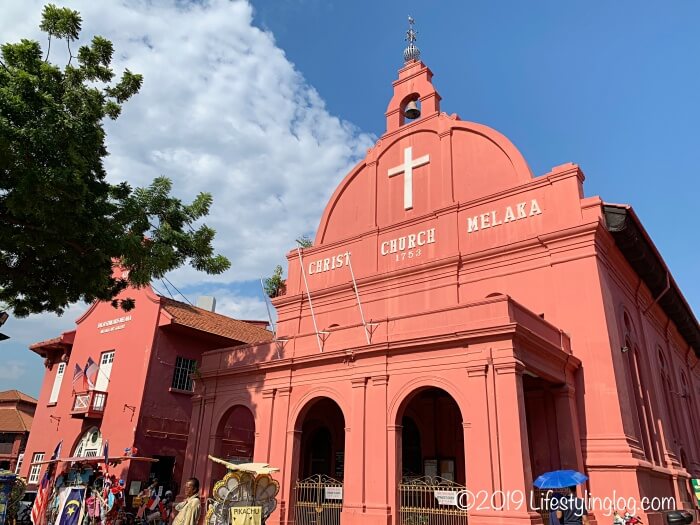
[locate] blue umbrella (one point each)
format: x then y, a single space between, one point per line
559 479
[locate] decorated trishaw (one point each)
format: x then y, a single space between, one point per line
12 489
246 495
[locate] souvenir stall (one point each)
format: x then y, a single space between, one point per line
83 492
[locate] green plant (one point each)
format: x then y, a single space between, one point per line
305 242
275 285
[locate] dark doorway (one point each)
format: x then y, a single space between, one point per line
432 437
163 470
323 441
235 439
411 450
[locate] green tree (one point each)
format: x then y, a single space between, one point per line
305 242
63 227
274 285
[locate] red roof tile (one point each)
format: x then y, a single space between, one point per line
16 395
13 420
213 323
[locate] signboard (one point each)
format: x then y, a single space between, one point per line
134 488
339 464
696 489
246 515
446 497
333 492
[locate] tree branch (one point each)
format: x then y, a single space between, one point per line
77 247
70 54
48 50
4 66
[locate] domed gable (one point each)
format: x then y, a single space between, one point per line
420 167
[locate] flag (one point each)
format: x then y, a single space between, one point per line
91 372
78 375
38 515
70 506
105 451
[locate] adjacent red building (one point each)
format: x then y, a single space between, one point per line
16 415
146 360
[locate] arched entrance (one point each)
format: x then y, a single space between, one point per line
321 464
431 459
234 438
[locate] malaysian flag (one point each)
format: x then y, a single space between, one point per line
78 375
42 496
91 372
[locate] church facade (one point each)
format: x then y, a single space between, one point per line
460 324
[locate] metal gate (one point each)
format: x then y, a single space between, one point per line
319 500
540 501
429 500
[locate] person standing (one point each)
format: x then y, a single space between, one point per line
572 509
188 510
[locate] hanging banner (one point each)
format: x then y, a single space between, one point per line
70 506
246 515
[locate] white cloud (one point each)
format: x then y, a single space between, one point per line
39 327
221 110
239 306
12 370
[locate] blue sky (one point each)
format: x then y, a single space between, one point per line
268 105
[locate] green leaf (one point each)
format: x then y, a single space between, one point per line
63 227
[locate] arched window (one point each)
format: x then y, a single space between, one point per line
689 409
637 390
667 388
90 445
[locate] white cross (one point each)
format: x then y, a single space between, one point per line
407 169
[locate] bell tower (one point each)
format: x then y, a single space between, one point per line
413 88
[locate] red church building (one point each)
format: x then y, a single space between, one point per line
461 324
146 362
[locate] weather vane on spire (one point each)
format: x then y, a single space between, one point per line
411 52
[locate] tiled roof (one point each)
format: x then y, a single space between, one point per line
213 323
13 420
61 343
16 395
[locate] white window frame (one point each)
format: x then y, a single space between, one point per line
35 470
60 371
20 459
87 447
102 378
181 374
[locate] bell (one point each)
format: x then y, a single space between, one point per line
412 111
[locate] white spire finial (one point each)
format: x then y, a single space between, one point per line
411 52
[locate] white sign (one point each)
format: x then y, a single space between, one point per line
407 169
113 324
333 492
491 219
446 497
329 263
